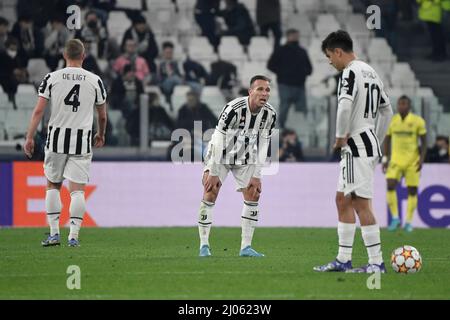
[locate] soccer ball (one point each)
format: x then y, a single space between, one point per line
406 259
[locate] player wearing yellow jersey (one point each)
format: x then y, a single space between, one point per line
404 159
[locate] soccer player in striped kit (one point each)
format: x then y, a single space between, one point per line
73 93
239 144
363 116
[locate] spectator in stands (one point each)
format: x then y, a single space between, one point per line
137 63
195 74
125 91
30 39
195 110
238 22
291 148
430 12
268 17
94 32
141 32
440 151
291 64
56 35
205 13
169 74
4 24
224 75
160 125
90 62
12 68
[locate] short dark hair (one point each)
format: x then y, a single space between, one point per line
167 44
3 21
405 97
259 77
441 137
291 31
338 39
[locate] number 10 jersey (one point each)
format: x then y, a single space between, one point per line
73 92
362 86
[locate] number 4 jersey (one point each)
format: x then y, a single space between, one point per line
361 85
73 93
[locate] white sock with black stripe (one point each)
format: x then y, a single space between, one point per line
346 234
77 209
205 221
371 237
250 213
53 208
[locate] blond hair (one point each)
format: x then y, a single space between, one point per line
74 49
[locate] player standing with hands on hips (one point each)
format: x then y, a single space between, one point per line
73 92
239 144
362 103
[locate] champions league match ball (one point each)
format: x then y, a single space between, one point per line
406 259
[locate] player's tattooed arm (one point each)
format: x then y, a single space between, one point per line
99 138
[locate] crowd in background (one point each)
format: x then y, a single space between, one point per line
137 61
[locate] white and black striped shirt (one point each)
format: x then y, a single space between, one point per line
361 85
73 92
242 129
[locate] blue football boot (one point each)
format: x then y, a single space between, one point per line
369 268
334 266
73 243
51 241
248 251
204 251
395 223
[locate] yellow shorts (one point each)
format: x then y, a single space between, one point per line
396 172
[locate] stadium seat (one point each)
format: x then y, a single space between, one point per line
302 23
179 98
153 5
115 117
403 76
297 122
17 122
117 24
259 49
356 27
129 4
325 24
200 49
37 69
26 96
215 100
231 49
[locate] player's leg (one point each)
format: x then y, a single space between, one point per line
346 223
362 193
53 170
206 215
77 209
370 231
346 227
249 221
412 177
77 172
393 175
243 175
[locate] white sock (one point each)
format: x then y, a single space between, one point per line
346 234
205 221
53 208
250 213
77 209
371 237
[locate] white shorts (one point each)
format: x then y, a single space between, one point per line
60 166
242 173
356 175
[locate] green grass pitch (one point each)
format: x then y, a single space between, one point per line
162 263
